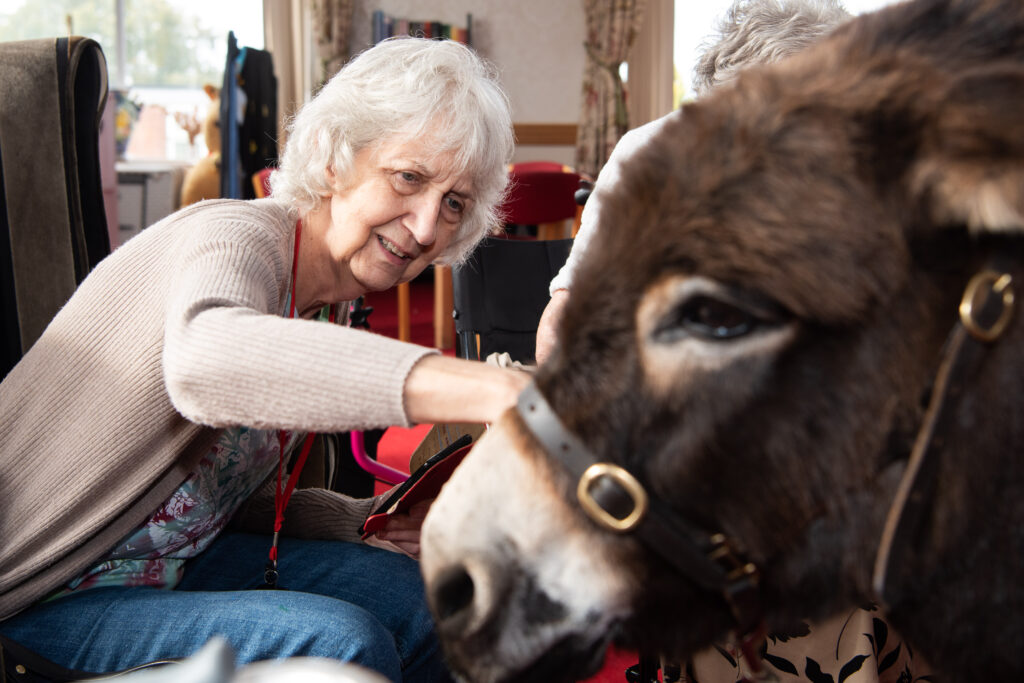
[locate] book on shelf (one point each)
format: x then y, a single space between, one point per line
385 25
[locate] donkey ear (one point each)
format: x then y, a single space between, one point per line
970 168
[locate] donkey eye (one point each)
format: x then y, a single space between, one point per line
707 318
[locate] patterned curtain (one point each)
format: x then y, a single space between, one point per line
611 27
332 25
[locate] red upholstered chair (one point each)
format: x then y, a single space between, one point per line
379 471
261 182
542 193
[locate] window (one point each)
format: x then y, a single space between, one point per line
159 54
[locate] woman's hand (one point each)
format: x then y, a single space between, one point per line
402 531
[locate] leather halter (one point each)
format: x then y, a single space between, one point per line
966 343
710 559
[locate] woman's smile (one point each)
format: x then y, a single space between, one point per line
393 251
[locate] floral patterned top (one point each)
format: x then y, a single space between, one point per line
187 522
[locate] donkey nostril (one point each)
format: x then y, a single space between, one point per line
453 592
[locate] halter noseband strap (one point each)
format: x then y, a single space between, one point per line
615 500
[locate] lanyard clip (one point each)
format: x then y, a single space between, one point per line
270 576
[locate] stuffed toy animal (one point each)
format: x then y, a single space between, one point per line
202 180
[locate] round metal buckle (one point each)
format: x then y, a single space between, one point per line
624 479
998 283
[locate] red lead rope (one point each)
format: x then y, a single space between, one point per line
282 494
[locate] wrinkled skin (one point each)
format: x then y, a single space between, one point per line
752 335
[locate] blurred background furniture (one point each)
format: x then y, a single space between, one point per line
146 192
53 226
542 203
500 293
542 198
261 182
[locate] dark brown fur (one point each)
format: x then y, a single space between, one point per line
840 185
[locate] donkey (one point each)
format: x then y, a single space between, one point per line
789 378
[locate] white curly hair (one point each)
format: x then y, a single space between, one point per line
761 32
403 89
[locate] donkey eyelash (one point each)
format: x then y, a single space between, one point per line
707 311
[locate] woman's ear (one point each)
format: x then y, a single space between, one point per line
970 165
332 177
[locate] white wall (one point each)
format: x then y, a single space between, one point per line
537 46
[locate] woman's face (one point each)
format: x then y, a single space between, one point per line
397 211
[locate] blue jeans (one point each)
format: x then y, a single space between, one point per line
345 601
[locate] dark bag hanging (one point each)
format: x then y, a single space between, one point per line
18 664
21 665
53 226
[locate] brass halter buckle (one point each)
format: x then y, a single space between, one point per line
997 283
627 482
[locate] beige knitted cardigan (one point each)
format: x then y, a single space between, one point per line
175 334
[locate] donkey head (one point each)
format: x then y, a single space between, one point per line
754 336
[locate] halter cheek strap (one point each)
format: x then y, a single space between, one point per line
988 291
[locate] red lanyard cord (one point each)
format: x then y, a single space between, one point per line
282 494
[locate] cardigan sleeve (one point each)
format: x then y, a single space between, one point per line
312 513
230 358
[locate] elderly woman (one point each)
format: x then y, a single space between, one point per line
160 399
